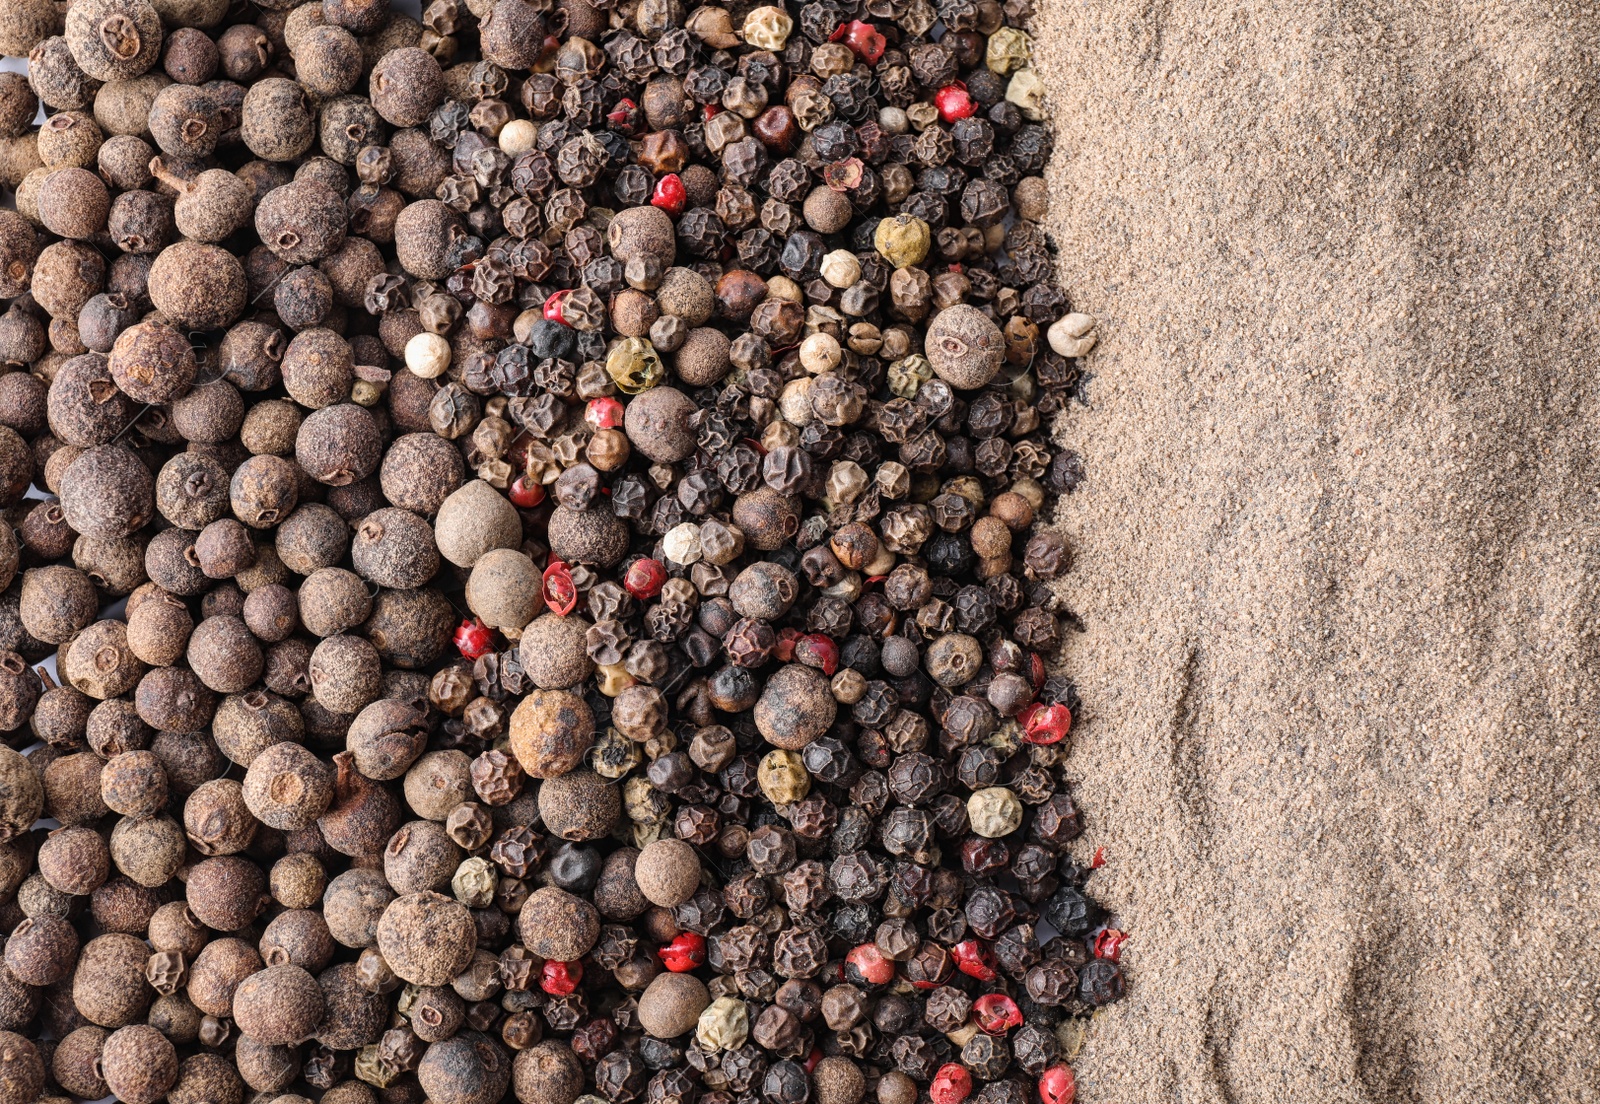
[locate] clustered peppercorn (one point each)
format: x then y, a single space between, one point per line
572 472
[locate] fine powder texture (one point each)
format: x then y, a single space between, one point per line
1338 548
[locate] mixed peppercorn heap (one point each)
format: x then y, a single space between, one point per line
704 357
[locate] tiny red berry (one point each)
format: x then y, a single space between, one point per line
1057 1085
951 1085
684 953
784 649
560 593
473 638
864 39
670 195
1045 724
817 650
560 978
603 413
526 493
1108 944
954 103
867 963
813 1058
645 578
996 1013
552 306
974 959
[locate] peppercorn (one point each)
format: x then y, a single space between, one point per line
579 805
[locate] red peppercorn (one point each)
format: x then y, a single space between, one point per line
684 953
867 964
560 593
645 579
526 493
863 38
670 195
560 978
625 117
1045 724
603 413
817 650
1057 1085
1108 944
996 1013
552 306
813 1058
951 1085
974 959
954 103
473 638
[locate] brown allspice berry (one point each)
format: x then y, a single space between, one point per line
74 860
197 285
207 1078
148 850
364 814
22 1077
353 904
19 691
553 651
474 519
271 612
247 724
217 820
217 970
593 536
333 600
134 784
423 235
210 414
671 1005
297 937
646 231
108 492
278 1006
420 856
386 738
139 1064
657 423
394 548
668 872
555 924
75 1065
426 938
406 86
302 221
189 56
271 427
224 654
796 706
267 1067
172 699
152 362
73 203
42 950
420 471
551 732
99 662
287 787
72 788
580 805
313 537
438 782
108 984
704 357
224 548
767 519
57 602
339 444
297 881
346 673
278 119
355 1015
226 892
616 893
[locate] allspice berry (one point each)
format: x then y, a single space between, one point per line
838 1080
551 732
580 805
668 872
21 795
287 787
279 1006
139 1064
21 1070
657 423
473 520
426 938
964 346
505 589
639 232
554 651
671 1005
108 986
555 924
795 708
594 536
546 1073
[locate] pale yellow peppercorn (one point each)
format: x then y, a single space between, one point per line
682 544
848 686
474 882
614 755
781 287
724 1025
794 402
644 803
782 777
1009 49
847 481
768 28
1026 90
994 812
634 365
902 240
367 393
613 679
518 136
908 374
